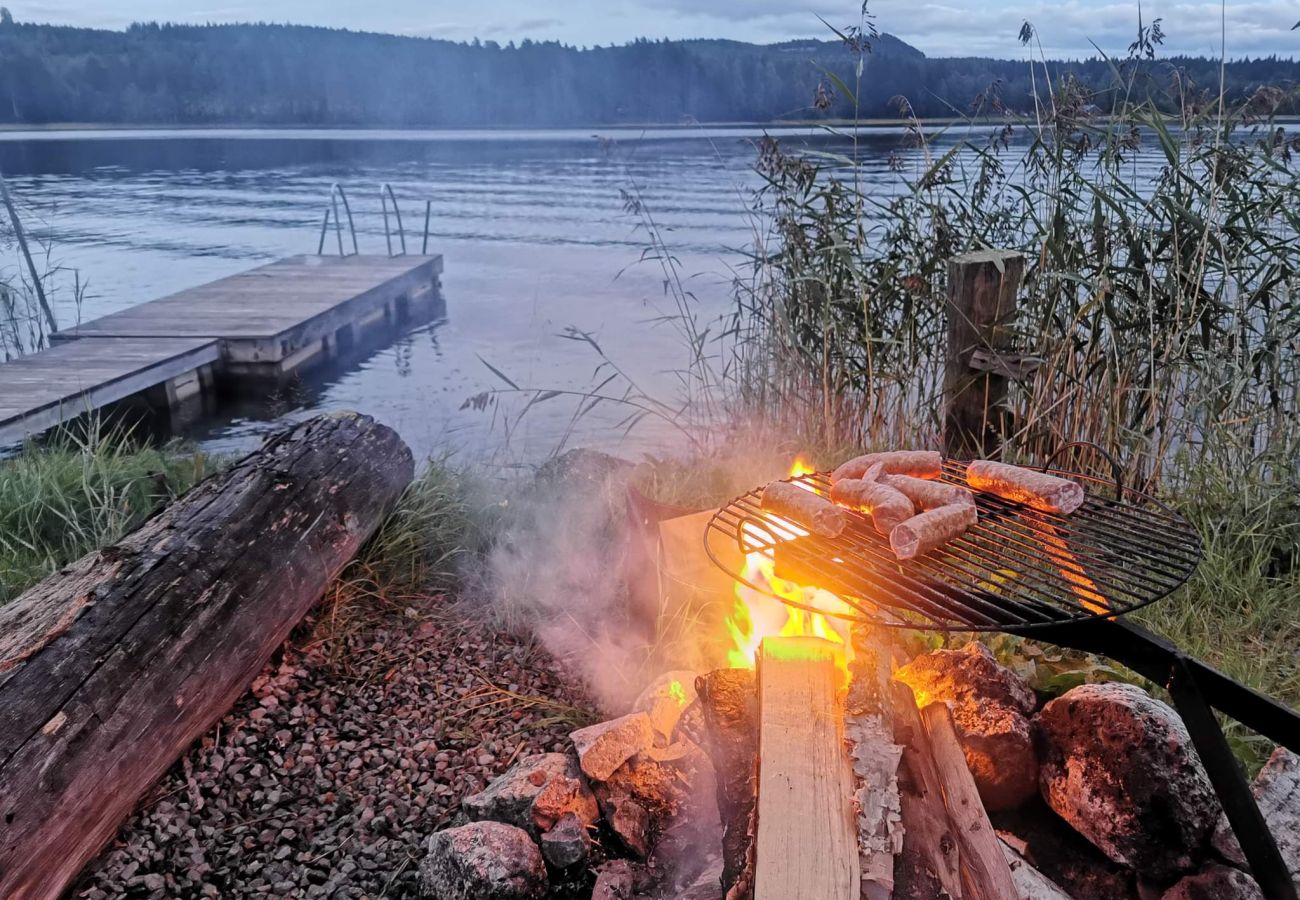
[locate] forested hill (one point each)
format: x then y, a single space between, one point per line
291 75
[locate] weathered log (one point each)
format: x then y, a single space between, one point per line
111 667
729 701
806 847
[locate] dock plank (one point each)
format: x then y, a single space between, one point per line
266 302
41 390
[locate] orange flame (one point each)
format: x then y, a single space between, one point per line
755 615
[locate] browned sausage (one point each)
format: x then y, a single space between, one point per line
1036 489
917 463
929 494
888 506
921 534
803 507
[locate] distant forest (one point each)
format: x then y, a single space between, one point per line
291 75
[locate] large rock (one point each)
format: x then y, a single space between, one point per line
536 793
991 706
1215 883
665 699
1119 766
1277 791
603 747
483 861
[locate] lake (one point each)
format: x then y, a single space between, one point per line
532 226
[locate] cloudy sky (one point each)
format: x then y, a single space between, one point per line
942 28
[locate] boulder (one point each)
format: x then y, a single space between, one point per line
1277 791
1119 766
602 748
483 861
665 699
567 843
535 793
1215 883
991 706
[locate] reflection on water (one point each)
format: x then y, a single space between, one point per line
531 225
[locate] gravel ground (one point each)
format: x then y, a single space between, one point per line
327 775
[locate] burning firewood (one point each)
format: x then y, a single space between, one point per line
729 702
806 843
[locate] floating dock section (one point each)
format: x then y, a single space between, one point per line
251 331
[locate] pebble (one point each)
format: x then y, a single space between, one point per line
330 773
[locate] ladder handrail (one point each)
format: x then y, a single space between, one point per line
336 192
385 194
424 248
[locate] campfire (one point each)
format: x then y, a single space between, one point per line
825 761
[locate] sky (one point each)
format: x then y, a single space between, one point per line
942 28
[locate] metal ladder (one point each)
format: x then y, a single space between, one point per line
386 197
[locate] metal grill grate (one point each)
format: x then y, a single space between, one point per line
1018 569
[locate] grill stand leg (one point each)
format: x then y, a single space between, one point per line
1195 688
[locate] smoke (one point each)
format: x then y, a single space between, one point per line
558 571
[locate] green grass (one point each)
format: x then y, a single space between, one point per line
61 501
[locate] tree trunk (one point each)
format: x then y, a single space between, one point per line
112 667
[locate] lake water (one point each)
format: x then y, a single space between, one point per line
532 227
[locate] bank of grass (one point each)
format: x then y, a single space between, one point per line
64 499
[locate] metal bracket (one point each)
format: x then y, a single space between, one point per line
1006 363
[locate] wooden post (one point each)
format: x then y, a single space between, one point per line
982 290
806 847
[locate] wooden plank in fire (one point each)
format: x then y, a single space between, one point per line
806 846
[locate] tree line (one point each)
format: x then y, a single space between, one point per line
261 74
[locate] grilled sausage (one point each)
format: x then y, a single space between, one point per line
921 534
812 511
888 506
1035 489
928 494
917 463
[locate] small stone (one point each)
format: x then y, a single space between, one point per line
535 793
614 881
991 706
1215 883
665 699
566 844
604 747
483 861
154 882
631 823
1119 766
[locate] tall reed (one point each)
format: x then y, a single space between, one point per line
1162 296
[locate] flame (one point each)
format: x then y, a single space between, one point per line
755 615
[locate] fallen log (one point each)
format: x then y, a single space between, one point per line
806 847
110 668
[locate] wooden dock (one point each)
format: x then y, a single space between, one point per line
251 330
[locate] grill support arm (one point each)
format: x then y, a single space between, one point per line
1198 689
